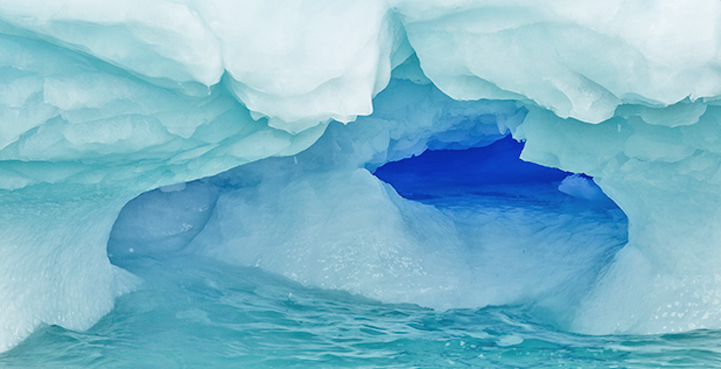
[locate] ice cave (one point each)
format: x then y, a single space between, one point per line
377 183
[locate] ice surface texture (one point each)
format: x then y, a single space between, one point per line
99 104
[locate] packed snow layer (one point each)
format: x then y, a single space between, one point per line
99 104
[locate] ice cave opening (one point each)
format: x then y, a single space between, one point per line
463 228
549 233
465 170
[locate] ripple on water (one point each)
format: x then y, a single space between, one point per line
201 313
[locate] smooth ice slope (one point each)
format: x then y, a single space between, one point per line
99 104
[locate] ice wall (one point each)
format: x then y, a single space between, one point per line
79 138
665 178
648 73
101 103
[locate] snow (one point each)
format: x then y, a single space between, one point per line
100 104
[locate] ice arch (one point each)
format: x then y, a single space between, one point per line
99 104
322 218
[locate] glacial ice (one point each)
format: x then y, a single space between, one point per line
581 187
100 104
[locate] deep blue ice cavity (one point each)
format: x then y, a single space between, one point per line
495 164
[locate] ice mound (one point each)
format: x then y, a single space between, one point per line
582 187
99 104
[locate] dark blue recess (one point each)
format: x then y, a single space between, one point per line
496 164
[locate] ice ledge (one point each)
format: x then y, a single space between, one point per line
301 63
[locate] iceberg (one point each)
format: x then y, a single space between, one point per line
250 131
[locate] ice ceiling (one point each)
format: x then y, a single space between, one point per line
100 103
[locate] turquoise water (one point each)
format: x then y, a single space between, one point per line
195 312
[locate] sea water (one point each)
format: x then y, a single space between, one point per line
194 313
